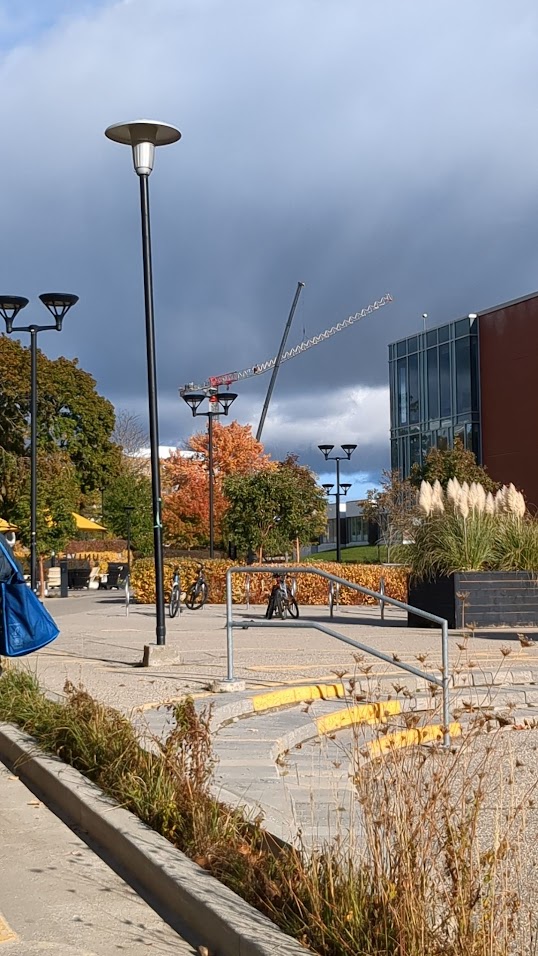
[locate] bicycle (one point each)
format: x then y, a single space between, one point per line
334 596
196 595
175 594
194 598
282 601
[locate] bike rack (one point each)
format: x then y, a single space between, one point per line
381 596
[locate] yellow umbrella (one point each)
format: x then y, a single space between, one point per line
6 526
86 524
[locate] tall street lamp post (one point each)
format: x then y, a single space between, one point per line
143 136
218 405
58 304
340 489
128 511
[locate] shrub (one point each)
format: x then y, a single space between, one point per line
310 588
469 530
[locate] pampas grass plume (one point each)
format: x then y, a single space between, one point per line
425 497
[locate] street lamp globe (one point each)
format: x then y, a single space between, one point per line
143 136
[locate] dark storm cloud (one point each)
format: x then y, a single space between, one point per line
360 148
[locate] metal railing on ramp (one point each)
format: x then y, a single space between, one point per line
380 596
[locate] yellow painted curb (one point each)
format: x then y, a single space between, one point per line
362 713
294 695
6 933
410 738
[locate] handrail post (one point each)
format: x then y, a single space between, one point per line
381 601
229 627
446 679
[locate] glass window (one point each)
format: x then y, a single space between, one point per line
394 455
442 439
443 333
444 380
401 348
412 344
414 450
414 403
427 442
459 432
402 391
431 337
432 373
474 373
463 374
404 470
462 327
472 439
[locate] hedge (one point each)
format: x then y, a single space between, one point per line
310 588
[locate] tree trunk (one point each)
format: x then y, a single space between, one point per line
297 551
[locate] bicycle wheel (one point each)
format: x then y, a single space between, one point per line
196 596
174 602
293 607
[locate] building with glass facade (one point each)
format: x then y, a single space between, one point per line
434 390
477 379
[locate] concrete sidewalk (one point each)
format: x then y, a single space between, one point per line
57 896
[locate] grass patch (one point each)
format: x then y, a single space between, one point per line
422 880
358 554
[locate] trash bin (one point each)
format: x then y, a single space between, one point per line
115 571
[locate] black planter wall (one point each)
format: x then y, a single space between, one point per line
481 598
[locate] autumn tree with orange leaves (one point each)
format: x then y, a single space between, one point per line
185 480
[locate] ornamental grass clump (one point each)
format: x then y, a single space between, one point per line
466 528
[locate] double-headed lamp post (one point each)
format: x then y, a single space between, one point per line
58 304
143 136
341 489
217 405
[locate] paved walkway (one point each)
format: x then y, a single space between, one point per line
57 896
297 787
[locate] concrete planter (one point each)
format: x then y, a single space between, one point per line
482 598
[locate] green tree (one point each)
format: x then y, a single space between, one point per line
134 490
457 462
57 498
72 417
273 509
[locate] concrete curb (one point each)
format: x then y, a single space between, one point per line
225 923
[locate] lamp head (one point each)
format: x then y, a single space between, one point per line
58 304
327 488
326 449
344 487
143 136
193 401
227 400
10 305
348 449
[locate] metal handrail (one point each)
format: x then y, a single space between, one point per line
442 682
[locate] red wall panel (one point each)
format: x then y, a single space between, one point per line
509 395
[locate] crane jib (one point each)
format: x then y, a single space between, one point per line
266 366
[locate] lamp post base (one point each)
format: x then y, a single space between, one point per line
160 654
227 686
